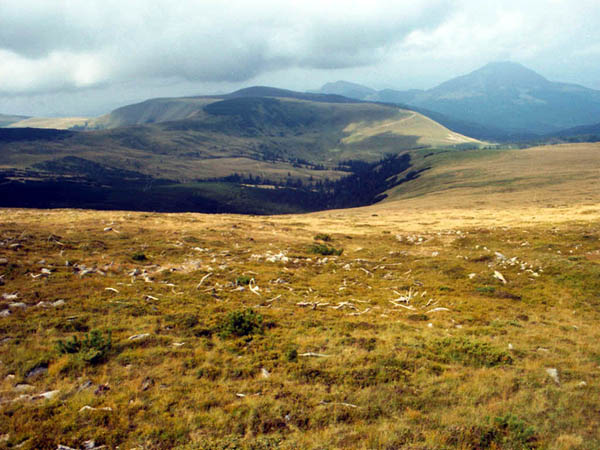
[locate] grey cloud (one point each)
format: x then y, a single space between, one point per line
203 41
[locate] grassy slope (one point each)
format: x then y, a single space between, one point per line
57 123
240 137
420 378
556 175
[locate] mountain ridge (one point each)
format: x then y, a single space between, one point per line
504 96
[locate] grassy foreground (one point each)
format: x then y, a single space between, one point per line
137 330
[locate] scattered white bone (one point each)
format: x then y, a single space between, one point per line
342 305
19 305
360 313
316 355
349 405
12 296
264 373
46 395
253 287
137 337
58 303
472 275
437 309
178 344
150 297
111 290
412 308
203 279
499 276
90 408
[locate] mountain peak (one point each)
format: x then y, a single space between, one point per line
509 72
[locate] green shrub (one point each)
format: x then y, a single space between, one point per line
139 256
241 323
92 349
243 280
323 237
291 354
468 352
325 250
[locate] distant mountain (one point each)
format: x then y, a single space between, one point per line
347 89
504 96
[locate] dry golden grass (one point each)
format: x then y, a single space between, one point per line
407 123
541 177
393 377
58 123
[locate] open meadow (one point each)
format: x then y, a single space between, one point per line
447 328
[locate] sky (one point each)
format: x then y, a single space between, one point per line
87 57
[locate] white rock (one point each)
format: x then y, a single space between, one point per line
265 373
58 303
472 275
581 384
137 337
5 313
553 373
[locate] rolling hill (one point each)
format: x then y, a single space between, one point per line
300 145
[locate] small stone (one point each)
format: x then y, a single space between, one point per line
58 303
472 275
265 373
22 387
510 346
147 384
5 313
89 445
430 325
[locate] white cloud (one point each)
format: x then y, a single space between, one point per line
68 45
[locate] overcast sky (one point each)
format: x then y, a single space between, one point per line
86 57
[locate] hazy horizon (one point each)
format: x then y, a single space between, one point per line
67 58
